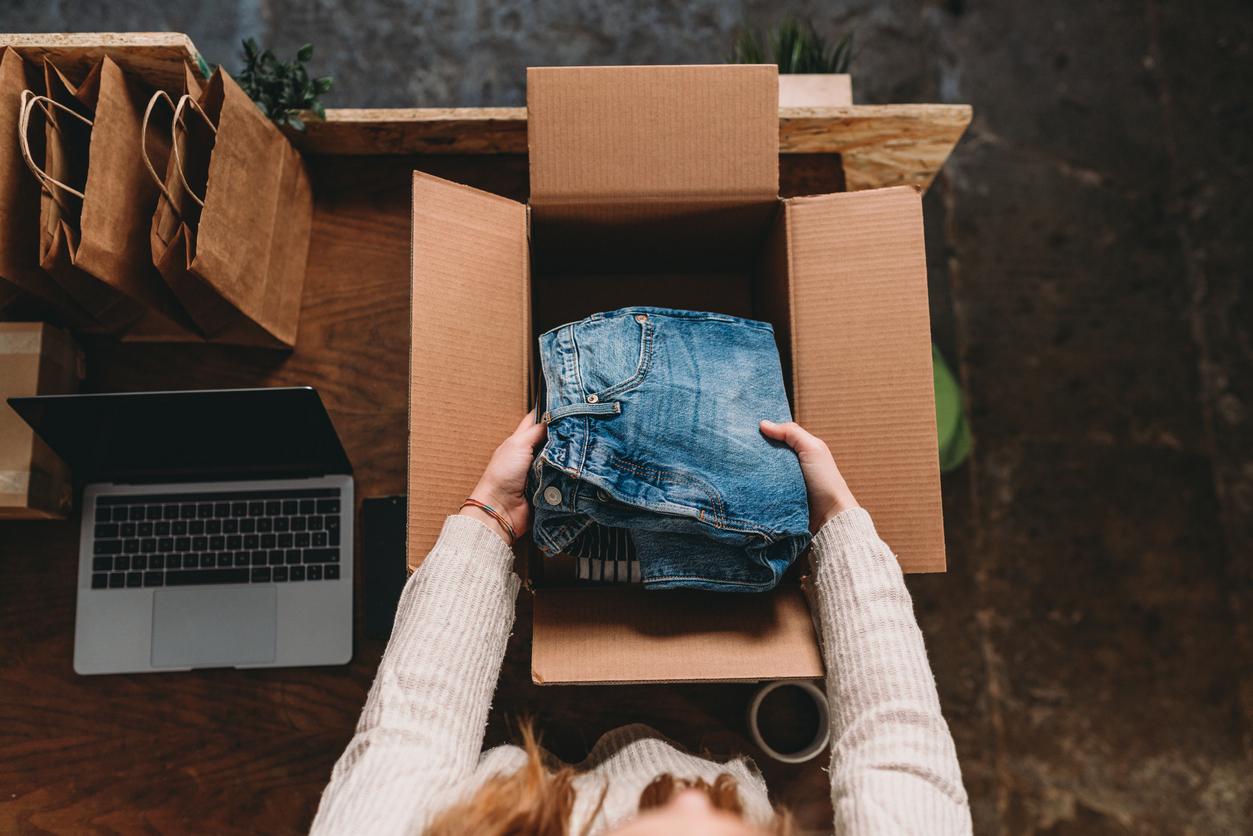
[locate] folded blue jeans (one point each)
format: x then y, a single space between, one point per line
654 451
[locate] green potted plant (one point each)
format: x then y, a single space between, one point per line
283 90
813 71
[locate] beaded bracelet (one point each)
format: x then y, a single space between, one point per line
494 514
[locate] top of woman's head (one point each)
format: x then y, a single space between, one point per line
537 801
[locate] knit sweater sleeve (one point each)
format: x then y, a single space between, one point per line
893 764
421 731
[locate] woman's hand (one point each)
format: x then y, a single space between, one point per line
503 483
828 492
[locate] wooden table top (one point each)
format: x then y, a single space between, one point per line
250 751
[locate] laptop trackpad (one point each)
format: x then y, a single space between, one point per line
213 627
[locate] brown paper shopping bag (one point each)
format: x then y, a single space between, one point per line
98 203
177 216
19 205
232 236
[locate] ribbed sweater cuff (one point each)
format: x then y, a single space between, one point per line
466 539
847 530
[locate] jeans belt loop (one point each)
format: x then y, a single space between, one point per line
599 408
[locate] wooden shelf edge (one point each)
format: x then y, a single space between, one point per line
881 145
156 57
364 131
102 40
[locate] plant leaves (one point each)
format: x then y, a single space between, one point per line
203 66
796 47
747 48
282 89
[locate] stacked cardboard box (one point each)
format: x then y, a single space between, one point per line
35 359
659 186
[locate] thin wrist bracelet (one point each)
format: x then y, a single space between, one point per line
494 514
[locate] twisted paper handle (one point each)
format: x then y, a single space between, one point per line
28 100
183 101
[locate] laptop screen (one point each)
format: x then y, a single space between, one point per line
189 436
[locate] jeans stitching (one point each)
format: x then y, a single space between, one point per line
642 367
587 442
715 499
724 522
574 352
717 582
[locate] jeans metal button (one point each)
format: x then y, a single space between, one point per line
552 495
593 398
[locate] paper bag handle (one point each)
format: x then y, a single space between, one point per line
143 146
183 101
28 101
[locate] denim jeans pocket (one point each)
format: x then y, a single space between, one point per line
614 353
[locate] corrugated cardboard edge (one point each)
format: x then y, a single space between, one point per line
865 306
490 272
646 134
43 490
753 637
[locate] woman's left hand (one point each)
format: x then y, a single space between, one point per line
503 483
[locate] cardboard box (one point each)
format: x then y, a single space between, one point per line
659 186
35 359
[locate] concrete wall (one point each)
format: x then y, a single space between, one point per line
394 53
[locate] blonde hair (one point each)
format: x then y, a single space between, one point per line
537 800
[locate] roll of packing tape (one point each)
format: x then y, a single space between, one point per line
790 725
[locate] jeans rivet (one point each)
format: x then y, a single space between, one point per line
641 318
593 398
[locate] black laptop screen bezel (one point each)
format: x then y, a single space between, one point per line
110 437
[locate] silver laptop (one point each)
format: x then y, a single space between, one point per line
216 528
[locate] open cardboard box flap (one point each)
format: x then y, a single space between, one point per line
658 186
469 349
601 135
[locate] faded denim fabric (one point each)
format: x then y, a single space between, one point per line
654 450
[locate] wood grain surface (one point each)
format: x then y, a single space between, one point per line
226 751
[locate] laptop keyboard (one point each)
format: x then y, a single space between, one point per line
216 538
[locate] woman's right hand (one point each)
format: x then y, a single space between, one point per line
828 492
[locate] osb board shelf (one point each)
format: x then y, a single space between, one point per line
156 57
880 145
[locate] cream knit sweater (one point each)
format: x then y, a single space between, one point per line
418 745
